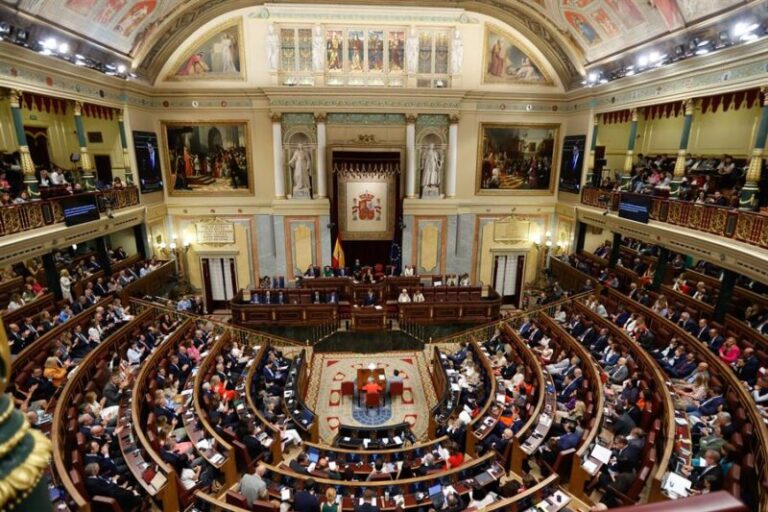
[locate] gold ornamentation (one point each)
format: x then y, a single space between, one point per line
276 117
15 97
27 165
11 219
78 108
454 118
411 118
23 479
366 138
7 412
717 221
35 215
321 117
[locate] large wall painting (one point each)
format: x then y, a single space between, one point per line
207 158
515 159
505 63
218 55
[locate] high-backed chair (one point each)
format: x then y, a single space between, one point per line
395 389
372 399
347 389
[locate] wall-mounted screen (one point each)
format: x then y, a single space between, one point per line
79 209
572 163
148 161
635 207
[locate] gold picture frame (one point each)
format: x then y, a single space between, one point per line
173 73
169 170
511 172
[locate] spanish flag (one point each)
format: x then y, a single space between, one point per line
338 255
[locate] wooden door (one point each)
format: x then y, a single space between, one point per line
219 282
508 276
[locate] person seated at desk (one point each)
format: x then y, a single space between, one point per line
371 386
342 272
256 297
280 298
404 297
418 296
451 280
409 271
332 298
379 471
97 485
327 271
369 497
299 464
368 276
317 299
709 475
370 299
464 280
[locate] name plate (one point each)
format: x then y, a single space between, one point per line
218 232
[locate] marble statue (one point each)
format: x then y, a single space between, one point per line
301 162
273 47
318 50
412 52
431 169
457 53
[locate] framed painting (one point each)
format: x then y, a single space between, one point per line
218 55
207 158
514 159
505 63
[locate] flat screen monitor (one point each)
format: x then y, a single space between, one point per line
147 161
80 209
635 207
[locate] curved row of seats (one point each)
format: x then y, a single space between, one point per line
753 435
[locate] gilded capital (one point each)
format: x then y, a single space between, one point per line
120 115
15 96
764 92
454 118
688 106
320 117
276 117
596 119
633 113
78 108
411 118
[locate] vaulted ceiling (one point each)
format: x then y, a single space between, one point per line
571 33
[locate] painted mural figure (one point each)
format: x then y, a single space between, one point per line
496 62
334 47
227 52
300 162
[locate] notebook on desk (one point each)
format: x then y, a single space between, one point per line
601 453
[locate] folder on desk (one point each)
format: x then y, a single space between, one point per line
602 453
676 484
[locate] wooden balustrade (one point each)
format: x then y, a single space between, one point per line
744 226
17 218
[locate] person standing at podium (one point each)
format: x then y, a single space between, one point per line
371 386
370 299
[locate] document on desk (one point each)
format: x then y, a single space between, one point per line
285 494
589 466
677 485
682 422
397 440
602 453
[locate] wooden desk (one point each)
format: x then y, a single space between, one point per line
368 319
376 373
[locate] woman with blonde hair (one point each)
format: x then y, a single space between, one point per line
54 371
330 504
66 285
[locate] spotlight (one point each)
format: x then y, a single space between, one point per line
121 69
745 31
64 48
654 57
592 77
642 61
49 44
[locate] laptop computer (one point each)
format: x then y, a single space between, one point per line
313 455
483 479
437 496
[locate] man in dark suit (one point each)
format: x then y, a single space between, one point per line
367 506
299 464
702 334
715 341
711 472
747 366
711 405
370 299
570 439
684 368
686 323
572 384
623 422
97 485
305 499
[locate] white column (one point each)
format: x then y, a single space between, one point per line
452 159
322 178
277 155
410 155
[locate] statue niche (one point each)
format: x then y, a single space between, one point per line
300 162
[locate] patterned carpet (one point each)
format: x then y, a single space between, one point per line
331 369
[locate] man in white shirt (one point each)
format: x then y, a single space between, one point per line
404 297
135 353
418 296
57 177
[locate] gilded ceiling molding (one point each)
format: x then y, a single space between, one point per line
562 53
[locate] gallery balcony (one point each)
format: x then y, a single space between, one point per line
744 226
16 218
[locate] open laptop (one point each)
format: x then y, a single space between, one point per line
437 496
483 479
313 455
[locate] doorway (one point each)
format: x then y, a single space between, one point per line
219 282
103 166
37 141
508 277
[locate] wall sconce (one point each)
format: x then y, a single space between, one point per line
536 239
174 248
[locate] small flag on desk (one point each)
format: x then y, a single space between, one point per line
338 255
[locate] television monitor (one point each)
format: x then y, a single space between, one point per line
572 163
635 207
80 209
147 161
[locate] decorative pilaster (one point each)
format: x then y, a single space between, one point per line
749 193
410 156
85 157
26 452
27 165
124 145
453 156
277 155
322 178
628 161
677 178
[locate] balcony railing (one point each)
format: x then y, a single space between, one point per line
744 226
37 214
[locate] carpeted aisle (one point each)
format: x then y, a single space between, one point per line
331 369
